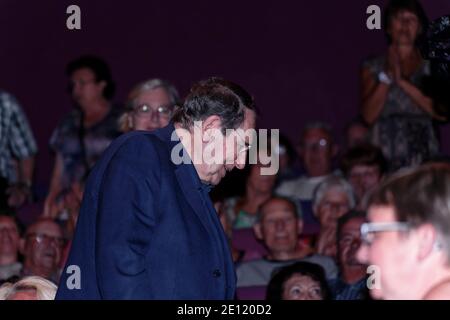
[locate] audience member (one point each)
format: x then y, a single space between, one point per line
299 281
83 135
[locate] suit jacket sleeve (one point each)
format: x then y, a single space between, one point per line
126 216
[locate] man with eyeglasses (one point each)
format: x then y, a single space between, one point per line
406 240
42 247
147 228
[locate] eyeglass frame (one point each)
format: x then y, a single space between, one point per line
373 227
376 227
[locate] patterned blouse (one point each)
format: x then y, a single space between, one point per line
66 138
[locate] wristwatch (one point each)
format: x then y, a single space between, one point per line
384 78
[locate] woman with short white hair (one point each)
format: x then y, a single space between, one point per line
29 288
332 199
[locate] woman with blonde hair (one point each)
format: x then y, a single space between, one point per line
150 106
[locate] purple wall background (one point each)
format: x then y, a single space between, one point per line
300 59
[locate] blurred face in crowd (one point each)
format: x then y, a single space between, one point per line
259 182
334 204
9 238
394 253
348 245
404 28
316 151
85 88
234 148
363 179
43 246
302 287
279 227
356 135
152 110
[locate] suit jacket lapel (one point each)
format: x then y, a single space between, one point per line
185 174
192 193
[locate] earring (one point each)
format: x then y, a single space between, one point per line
130 123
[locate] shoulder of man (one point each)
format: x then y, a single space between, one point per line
327 263
289 188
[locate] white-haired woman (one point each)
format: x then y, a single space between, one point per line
150 106
332 199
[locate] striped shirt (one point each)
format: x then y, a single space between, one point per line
16 138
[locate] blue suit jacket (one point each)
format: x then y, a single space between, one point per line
147 229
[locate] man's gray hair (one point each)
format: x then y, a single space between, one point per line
290 201
326 127
336 184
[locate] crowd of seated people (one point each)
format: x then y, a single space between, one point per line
295 235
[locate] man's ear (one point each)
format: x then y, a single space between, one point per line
426 238
209 126
257 229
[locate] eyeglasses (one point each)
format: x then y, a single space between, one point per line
144 110
369 229
43 238
329 205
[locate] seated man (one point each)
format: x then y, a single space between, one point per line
42 249
9 248
351 283
279 228
407 237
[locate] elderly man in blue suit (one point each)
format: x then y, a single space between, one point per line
147 228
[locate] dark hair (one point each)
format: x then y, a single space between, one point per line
318 125
214 96
358 121
100 69
396 6
352 214
419 196
365 154
280 276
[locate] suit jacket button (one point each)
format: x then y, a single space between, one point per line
217 273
